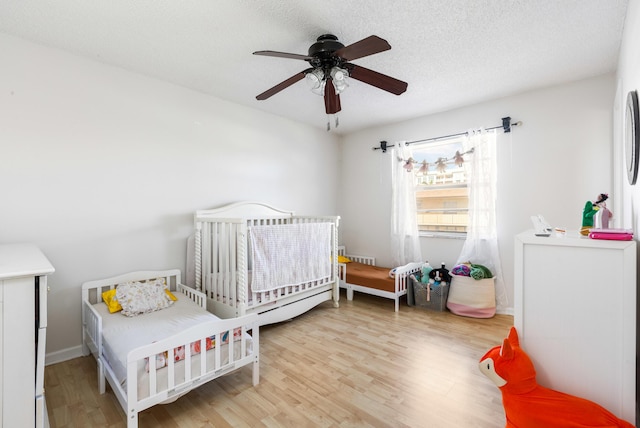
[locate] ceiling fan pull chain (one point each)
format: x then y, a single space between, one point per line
328 124
337 121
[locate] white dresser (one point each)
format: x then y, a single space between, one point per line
575 312
23 327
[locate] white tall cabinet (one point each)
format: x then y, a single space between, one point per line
23 327
575 312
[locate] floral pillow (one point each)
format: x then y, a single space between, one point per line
138 298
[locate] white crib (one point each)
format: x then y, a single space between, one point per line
222 263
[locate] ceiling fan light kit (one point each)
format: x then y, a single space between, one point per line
315 80
331 68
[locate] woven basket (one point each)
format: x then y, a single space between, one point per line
475 298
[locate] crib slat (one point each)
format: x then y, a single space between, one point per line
187 363
153 387
203 356
216 351
171 375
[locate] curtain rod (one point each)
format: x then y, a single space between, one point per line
506 127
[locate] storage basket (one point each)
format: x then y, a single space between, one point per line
438 296
472 298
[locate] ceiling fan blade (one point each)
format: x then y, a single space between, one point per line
331 99
283 85
365 47
379 80
283 55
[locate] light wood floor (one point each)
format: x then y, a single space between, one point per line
361 365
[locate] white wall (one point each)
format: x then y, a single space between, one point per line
103 169
628 80
557 160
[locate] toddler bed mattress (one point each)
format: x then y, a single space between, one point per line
121 334
370 276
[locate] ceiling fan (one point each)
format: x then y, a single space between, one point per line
330 67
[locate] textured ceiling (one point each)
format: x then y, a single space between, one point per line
451 52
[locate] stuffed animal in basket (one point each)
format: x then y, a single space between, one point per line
529 405
425 270
439 276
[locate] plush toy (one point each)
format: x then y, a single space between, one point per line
425 271
439 275
529 405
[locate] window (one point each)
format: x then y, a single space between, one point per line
442 200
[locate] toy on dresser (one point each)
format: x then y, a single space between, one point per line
595 214
595 222
529 405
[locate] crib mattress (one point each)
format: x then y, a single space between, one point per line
370 276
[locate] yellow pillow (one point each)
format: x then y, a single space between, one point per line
110 300
343 259
171 296
112 303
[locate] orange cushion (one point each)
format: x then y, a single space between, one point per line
370 276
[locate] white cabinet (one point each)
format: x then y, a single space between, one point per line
575 312
23 327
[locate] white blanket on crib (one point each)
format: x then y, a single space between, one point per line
289 254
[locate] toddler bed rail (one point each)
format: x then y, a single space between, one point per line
226 240
361 274
162 370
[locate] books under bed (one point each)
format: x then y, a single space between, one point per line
154 340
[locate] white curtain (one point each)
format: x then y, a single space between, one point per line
405 241
481 245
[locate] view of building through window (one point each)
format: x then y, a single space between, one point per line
440 172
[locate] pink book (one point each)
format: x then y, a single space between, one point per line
614 236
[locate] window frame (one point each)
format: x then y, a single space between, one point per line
447 146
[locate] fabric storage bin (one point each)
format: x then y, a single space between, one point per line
470 297
437 299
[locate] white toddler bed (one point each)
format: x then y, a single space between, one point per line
249 257
155 357
361 274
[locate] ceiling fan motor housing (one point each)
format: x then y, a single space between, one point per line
323 50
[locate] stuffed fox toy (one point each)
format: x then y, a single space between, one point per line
529 405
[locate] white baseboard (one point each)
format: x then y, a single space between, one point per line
63 355
505 311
